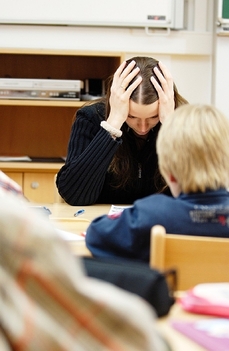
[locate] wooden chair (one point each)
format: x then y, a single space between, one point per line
197 259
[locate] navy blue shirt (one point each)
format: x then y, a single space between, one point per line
128 234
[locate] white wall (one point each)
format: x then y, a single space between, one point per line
191 73
187 53
221 84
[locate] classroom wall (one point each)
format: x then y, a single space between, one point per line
187 55
221 83
190 54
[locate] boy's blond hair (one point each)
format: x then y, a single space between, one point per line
193 146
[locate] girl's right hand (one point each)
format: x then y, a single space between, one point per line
165 91
121 92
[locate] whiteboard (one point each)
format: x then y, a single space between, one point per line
131 13
223 11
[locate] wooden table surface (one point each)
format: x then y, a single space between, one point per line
62 215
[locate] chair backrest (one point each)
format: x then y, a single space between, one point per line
197 259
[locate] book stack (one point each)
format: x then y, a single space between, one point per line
41 89
212 333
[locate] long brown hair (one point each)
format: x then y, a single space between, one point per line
145 94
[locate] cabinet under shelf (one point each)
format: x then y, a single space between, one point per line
37 180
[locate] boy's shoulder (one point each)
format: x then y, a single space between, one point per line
160 206
156 200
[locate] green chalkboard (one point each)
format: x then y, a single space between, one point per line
225 9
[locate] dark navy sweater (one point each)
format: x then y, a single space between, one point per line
85 180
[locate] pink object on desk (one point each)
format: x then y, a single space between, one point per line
212 334
209 298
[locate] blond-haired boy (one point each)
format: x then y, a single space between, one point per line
193 152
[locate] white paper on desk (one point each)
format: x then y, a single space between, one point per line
68 236
117 209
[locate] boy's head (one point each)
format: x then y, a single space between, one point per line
193 149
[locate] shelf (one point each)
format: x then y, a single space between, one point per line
37 167
41 128
24 102
223 33
58 65
68 52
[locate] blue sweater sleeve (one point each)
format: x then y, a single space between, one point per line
126 236
90 151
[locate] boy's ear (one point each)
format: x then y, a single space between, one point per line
174 185
172 179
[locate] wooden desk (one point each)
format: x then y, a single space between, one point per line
63 217
178 341
63 210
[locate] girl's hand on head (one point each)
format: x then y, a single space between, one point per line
121 92
165 91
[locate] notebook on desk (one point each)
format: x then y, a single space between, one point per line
212 333
68 236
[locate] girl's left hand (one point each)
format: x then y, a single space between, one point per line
165 91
